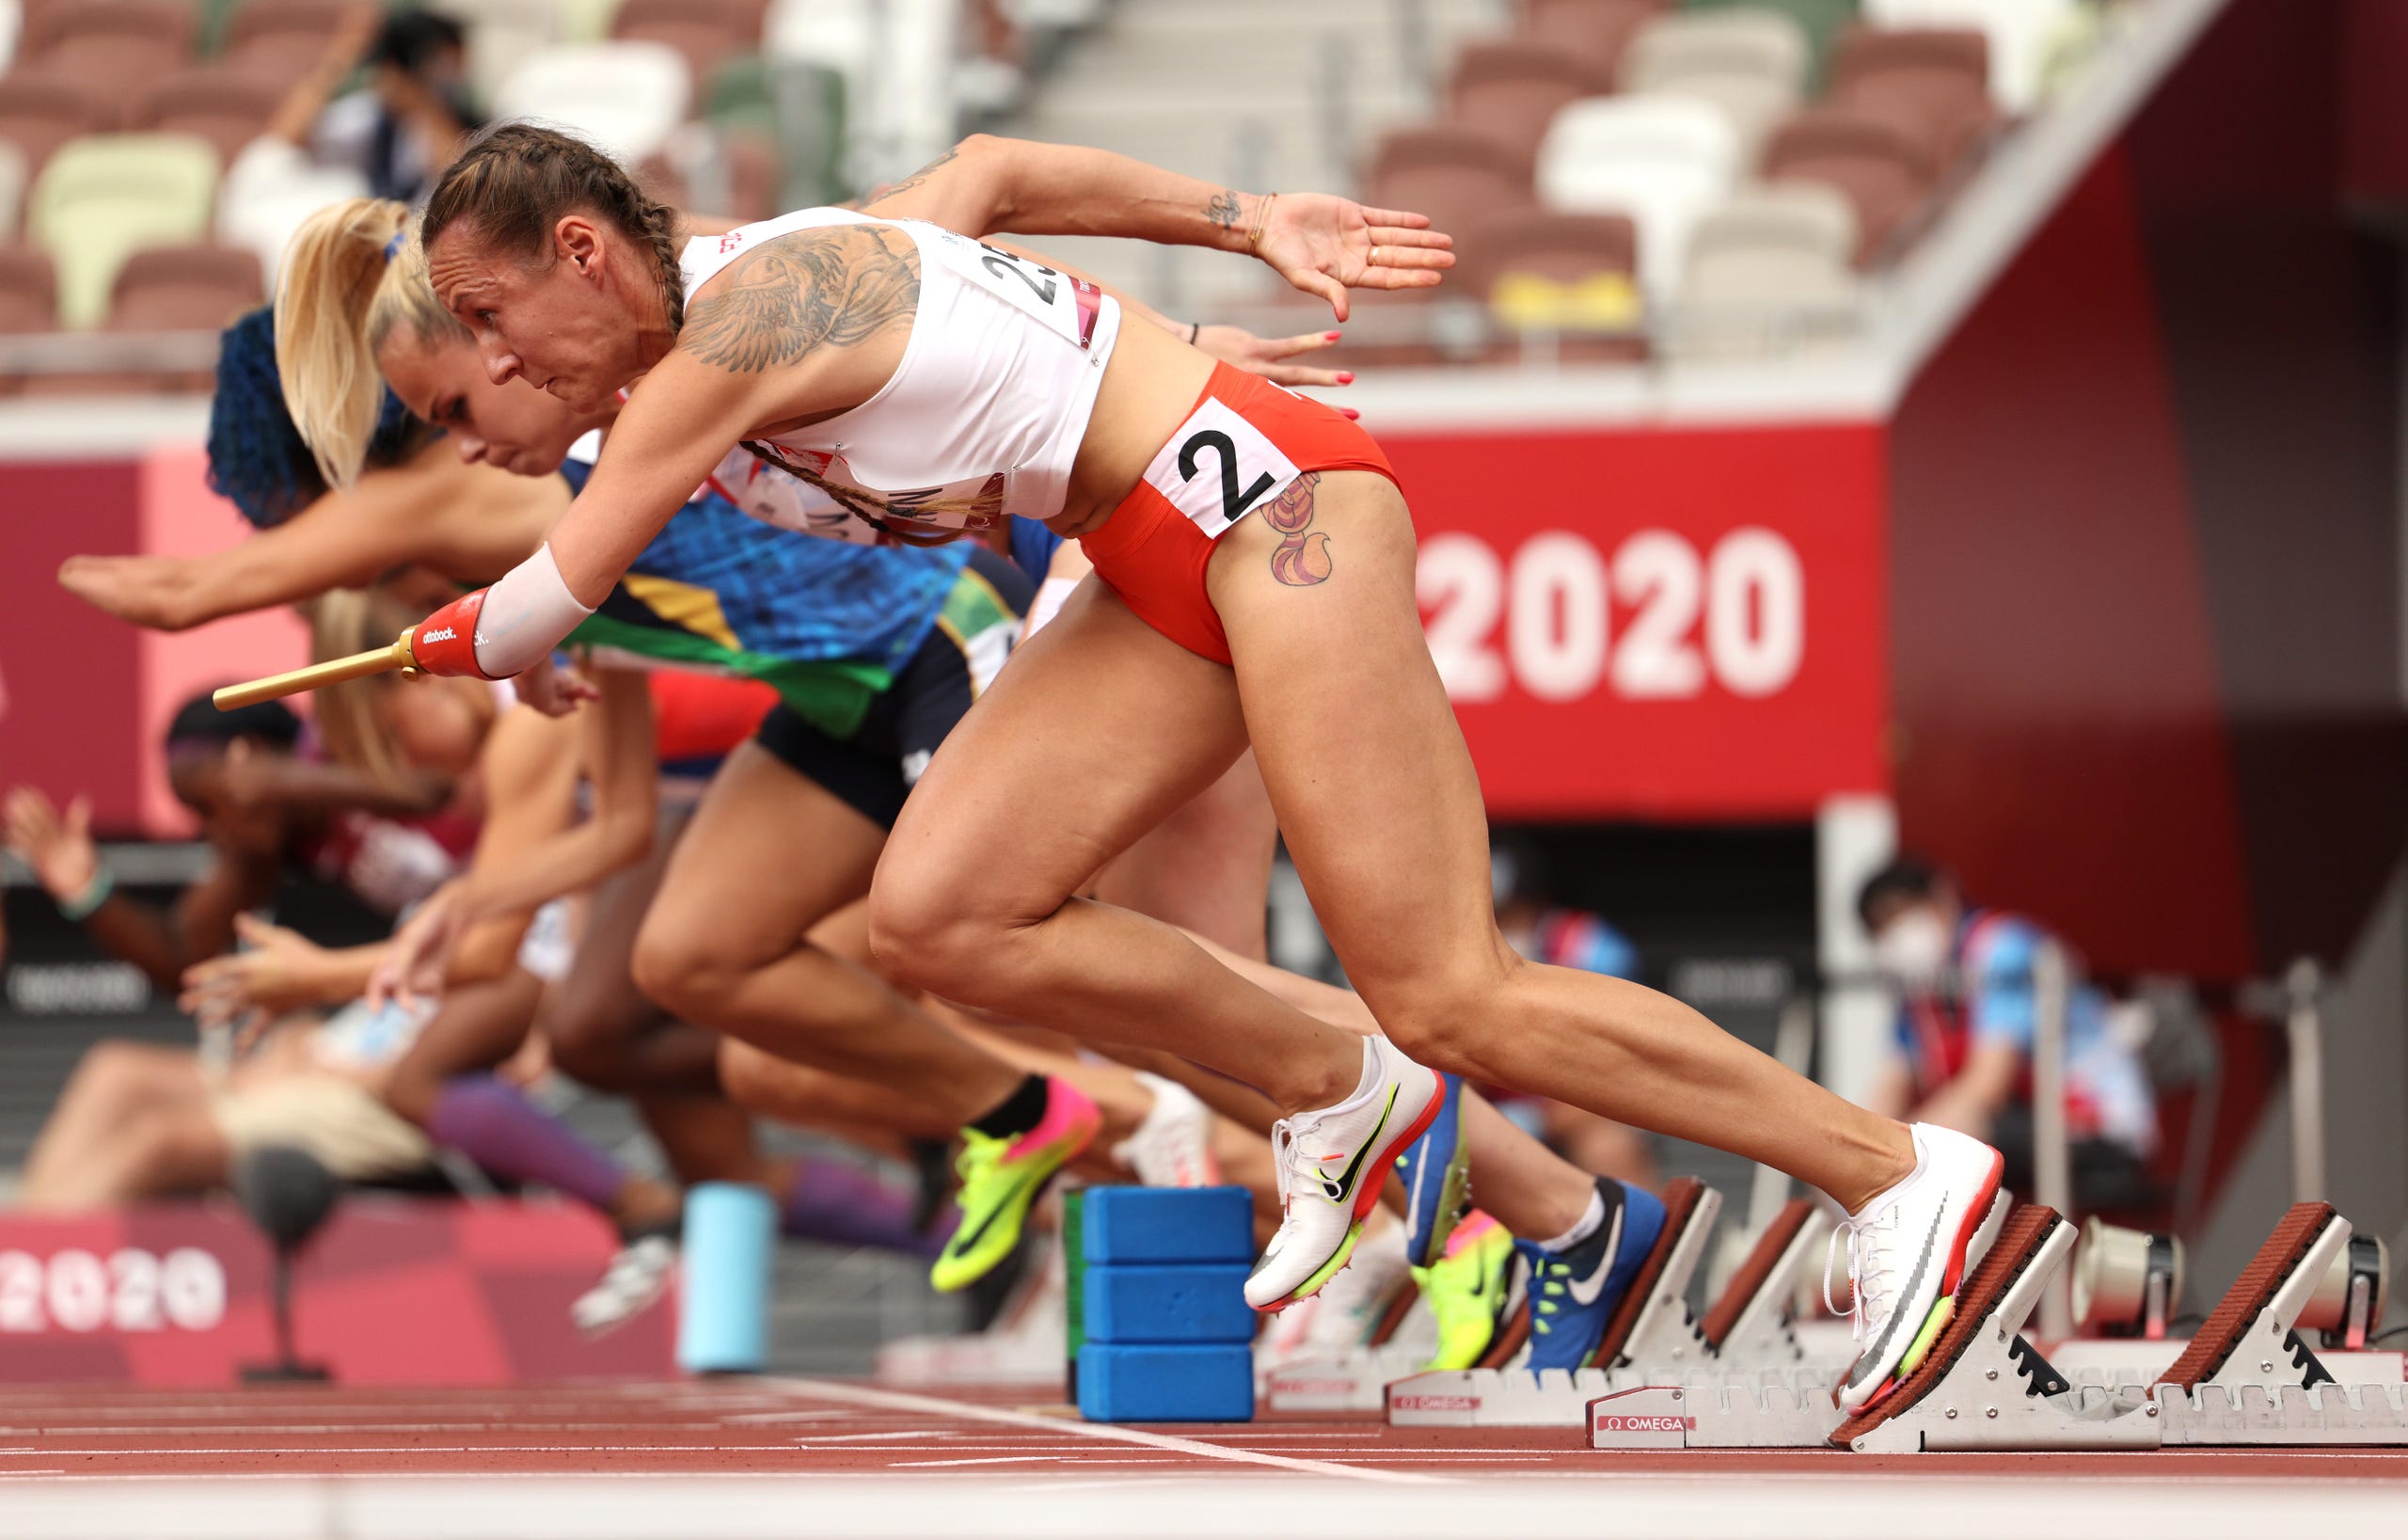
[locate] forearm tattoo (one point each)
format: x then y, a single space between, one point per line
907 183
831 288
1223 210
1301 557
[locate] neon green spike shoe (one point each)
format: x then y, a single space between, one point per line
1466 1289
1002 1177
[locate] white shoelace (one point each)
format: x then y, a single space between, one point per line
1283 1156
1867 1276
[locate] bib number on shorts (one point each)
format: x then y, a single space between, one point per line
1218 468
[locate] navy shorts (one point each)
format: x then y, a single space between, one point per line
875 768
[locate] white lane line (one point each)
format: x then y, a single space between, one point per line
988 1459
859 1395
785 1417
818 1438
112 1430
304 1451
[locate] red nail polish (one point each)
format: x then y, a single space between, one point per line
1346 377
1329 337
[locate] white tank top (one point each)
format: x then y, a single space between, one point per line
985 413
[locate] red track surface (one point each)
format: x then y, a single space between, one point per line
806 1428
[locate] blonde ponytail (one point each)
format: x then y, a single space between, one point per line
343 621
343 288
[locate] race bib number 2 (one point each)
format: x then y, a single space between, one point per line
1218 468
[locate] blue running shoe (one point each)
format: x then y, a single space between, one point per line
1437 1173
1573 1294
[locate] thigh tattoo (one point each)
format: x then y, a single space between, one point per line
1301 559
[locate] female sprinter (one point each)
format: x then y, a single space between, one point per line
1297 630
876 651
1579 1220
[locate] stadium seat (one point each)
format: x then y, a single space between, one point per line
1457 177
269 190
839 34
183 289
1662 160
113 47
741 95
226 106
585 20
502 35
1934 84
1753 64
797 107
706 32
725 174
1769 270
1571 276
302 28
2023 35
29 291
1593 32
28 304
12 189
106 196
37 114
1510 90
198 286
627 97
1822 19
1885 174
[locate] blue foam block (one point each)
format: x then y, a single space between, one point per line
1166 1383
723 1298
1167 1302
1169 1224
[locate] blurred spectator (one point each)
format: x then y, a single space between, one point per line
265 800
1967 1018
142 1119
1539 928
403 129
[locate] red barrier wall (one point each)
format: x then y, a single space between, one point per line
392 1293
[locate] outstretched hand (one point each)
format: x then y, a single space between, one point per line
419 954
132 588
58 849
281 971
1270 357
1325 245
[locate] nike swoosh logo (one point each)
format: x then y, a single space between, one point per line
1339 1191
1586 1290
961 1243
1899 1313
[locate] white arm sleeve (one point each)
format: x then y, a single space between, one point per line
524 616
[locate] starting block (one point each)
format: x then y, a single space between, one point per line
1752 1324
1983 1387
2248 1378
1355 1380
1770 1392
1651 1337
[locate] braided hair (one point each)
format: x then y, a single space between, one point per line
514 181
257 458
